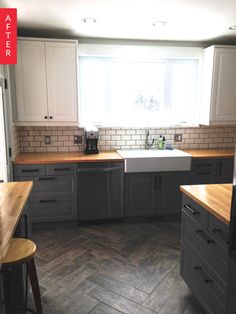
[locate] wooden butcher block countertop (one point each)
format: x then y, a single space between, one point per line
13 198
47 158
210 153
215 198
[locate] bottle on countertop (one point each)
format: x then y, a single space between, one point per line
160 142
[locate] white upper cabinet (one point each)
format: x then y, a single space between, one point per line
46 82
218 105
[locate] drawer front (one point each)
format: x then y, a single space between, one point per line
203 176
29 170
219 230
196 275
197 212
60 169
52 208
210 249
52 184
203 164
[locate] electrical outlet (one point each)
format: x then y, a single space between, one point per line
78 139
47 139
178 137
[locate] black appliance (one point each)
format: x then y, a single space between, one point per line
231 281
91 140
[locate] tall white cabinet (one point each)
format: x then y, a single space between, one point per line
218 105
46 82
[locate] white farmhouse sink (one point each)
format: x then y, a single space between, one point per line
141 160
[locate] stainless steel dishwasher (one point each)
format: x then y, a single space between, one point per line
100 190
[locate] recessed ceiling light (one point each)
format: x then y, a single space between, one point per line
89 20
159 23
232 28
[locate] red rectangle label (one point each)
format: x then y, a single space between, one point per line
8 36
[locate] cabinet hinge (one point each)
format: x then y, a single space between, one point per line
5 83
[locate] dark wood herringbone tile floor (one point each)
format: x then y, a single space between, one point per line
130 267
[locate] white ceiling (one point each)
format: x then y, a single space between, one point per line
187 20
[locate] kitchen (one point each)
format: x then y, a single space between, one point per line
104 214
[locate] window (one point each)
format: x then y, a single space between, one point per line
125 92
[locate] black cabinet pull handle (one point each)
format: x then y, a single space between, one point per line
204 172
29 170
61 169
204 236
220 234
46 179
202 274
204 165
192 211
47 201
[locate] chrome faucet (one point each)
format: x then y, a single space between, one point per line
147 145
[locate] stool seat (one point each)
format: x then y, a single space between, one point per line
20 250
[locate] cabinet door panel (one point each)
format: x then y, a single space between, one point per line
61 81
169 192
140 196
224 92
225 170
31 81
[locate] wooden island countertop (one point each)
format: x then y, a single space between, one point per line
47 158
215 198
13 198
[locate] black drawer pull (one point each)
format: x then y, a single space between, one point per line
219 233
204 236
192 211
46 179
204 165
204 172
202 274
61 169
47 201
29 170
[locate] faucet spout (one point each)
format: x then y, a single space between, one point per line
147 145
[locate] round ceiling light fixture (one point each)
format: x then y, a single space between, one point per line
232 28
88 20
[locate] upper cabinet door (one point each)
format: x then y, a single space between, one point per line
219 89
224 86
61 81
31 90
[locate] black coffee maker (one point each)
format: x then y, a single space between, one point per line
91 140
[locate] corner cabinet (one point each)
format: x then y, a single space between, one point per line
46 82
218 105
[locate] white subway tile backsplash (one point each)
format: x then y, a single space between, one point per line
31 139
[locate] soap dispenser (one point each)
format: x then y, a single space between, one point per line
160 142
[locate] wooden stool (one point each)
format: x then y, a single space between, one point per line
22 251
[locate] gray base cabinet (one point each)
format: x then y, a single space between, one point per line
211 170
54 195
204 256
100 190
153 193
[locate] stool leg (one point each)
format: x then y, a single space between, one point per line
35 285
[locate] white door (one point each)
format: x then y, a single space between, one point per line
31 82
61 81
3 150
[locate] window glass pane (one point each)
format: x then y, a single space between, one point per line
114 92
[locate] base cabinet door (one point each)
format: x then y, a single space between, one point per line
140 196
225 168
170 196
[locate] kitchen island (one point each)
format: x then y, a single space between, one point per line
204 243
13 203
